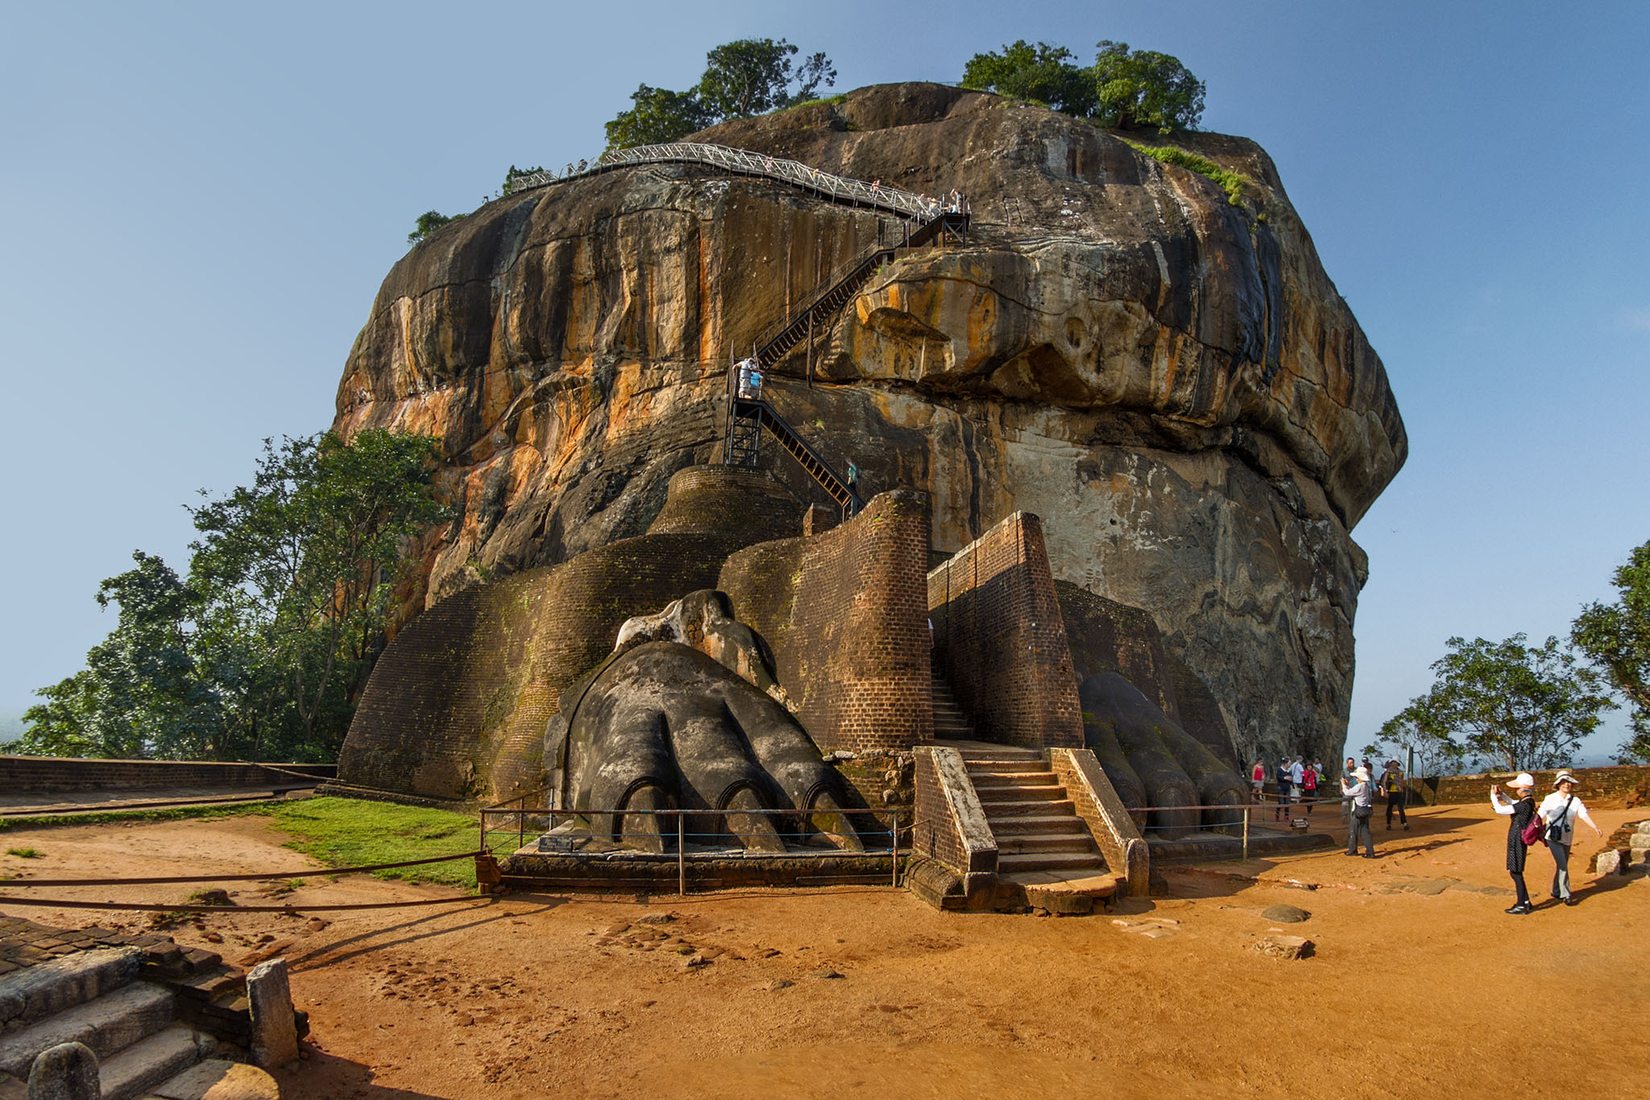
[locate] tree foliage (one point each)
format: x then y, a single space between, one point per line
1040 72
1616 638
1124 89
428 222
263 649
1144 89
742 78
1524 706
657 115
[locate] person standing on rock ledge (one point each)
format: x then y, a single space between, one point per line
1521 810
1363 806
1560 810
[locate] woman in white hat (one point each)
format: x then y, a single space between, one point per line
1363 804
1522 808
1560 810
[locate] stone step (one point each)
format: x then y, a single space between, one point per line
112 1022
1033 807
1059 842
214 1078
992 781
1038 825
52 987
1051 792
1014 862
998 752
1006 767
130 1072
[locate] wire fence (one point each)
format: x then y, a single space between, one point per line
693 836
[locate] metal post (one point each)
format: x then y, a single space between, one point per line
681 854
896 849
1246 833
521 830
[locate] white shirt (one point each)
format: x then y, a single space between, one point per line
1296 773
1552 810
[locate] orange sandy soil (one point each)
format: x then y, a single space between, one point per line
1420 985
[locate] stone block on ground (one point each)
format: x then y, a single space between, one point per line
1612 861
274 1024
1639 840
216 1079
1285 947
67 1071
1285 914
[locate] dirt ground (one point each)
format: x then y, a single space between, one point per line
1420 986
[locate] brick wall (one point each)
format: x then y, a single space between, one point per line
47 774
1000 640
950 826
457 705
1597 786
845 614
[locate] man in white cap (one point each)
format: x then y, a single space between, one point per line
1363 805
1560 810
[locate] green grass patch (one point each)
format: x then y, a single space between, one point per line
813 102
25 853
1233 183
348 832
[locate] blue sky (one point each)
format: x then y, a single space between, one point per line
202 200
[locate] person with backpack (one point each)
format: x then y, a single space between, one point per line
1282 812
1522 809
1560 810
1309 786
1392 782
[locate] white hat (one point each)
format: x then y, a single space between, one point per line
1361 773
1522 779
1565 776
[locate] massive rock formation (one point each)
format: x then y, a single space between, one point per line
1169 380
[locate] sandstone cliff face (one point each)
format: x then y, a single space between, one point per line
1171 382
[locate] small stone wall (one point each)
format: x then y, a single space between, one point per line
844 612
1108 820
1000 640
48 774
1597 785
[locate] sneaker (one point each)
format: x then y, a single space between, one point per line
1571 900
1521 909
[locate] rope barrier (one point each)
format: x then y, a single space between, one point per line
174 879
184 907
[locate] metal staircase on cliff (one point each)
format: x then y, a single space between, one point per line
748 414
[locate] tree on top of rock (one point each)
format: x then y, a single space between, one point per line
742 78
1124 89
1144 89
1040 72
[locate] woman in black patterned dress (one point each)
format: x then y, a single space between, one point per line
1521 811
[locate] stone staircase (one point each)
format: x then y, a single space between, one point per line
1046 858
122 1004
950 723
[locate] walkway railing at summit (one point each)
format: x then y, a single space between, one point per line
742 162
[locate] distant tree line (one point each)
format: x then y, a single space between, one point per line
1525 706
260 650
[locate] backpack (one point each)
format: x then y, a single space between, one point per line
1534 830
